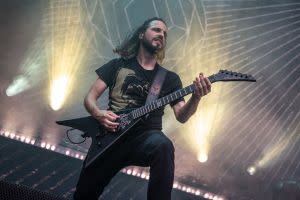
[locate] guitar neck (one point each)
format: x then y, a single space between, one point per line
139 112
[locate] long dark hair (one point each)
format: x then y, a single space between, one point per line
130 46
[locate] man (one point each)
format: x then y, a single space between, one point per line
129 79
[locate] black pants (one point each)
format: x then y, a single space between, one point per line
151 148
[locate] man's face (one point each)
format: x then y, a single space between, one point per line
154 38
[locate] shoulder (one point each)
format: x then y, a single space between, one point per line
111 65
171 75
114 62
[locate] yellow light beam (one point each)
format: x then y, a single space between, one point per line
67 49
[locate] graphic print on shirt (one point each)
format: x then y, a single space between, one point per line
129 91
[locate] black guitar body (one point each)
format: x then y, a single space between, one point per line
103 141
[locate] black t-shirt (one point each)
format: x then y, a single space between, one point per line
129 84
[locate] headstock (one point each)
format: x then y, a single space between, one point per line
225 75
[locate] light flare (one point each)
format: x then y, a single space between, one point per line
67 46
58 90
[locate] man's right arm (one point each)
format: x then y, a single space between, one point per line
106 118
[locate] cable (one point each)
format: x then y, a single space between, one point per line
82 135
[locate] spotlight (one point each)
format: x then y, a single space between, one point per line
134 172
175 185
12 135
143 175
27 140
22 138
6 133
251 170
202 157
129 171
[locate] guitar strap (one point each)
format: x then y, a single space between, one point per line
156 85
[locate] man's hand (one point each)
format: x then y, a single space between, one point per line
202 86
108 119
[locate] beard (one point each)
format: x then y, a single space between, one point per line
152 49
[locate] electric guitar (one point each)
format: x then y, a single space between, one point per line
104 141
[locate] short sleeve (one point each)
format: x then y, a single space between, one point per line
172 84
107 71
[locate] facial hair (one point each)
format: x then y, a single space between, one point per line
149 47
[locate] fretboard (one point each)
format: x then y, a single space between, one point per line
164 100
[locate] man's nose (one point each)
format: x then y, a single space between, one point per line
161 36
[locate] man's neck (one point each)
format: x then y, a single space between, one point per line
145 59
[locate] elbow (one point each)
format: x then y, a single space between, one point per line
181 119
85 101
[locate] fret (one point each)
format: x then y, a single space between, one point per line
162 101
159 103
172 97
143 112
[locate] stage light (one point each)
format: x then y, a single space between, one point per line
58 92
12 135
143 175
6 133
67 49
134 172
67 152
189 190
43 144
53 147
22 138
129 171
215 198
27 140
175 185
19 84
251 170
202 157
206 195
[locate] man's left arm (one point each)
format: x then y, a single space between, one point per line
184 110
